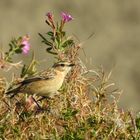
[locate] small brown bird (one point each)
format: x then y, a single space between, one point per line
46 84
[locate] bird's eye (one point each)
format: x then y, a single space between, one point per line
62 65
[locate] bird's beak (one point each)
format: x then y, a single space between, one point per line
71 65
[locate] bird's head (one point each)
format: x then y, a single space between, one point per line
63 66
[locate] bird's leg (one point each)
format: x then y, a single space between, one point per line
39 107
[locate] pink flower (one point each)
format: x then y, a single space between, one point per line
50 16
66 17
26 45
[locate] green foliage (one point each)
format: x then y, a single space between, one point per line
138 123
15 48
69 113
29 70
56 40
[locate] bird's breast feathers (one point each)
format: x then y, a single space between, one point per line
45 87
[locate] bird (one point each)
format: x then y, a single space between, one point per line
46 83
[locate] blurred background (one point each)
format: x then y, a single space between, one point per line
115 44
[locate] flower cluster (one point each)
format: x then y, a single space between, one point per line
65 17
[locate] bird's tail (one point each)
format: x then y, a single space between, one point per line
13 92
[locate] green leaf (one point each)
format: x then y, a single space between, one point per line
67 43
11 47
23 71
50 33
44 40
19 50
14 43
63 33
138 123
49 50
2 129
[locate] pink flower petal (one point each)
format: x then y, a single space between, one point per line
26 44
49 15
66 17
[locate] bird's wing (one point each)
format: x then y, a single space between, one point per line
31 79
45 75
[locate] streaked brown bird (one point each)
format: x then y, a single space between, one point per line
46 84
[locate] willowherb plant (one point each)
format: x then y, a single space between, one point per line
56 40
16 46
86 108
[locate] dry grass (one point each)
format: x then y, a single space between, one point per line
86 109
